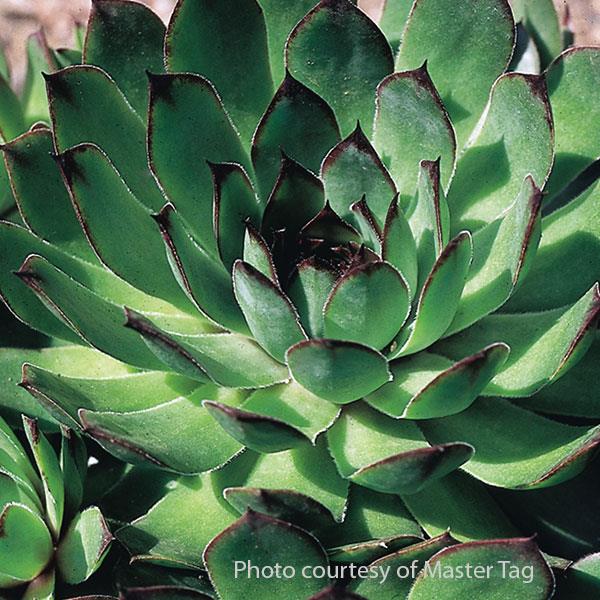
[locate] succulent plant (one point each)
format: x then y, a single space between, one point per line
44 536
331 296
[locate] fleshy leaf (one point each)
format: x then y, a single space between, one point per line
281 17
353 169
257 432
297 122
502 254
39 60
428 217
514 140
50 473
309 290
393 21
228 48
398 246
337 371
484 33
295 406
265 541
460 504
295 199
118 226
438 299
368 305
502 555
387 455
186 113
411 125
515 448
572 83
427 386
42 587
12 121
167 435
270 315
96 320
203 277
399 563
51 217
229 359
83 546
126 40
257 253
73 464
86 106
344 74
22 562
292 471
170 533
582 578
544 345
234 207
567 262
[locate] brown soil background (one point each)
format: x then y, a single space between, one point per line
20 18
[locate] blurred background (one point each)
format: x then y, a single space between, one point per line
20 18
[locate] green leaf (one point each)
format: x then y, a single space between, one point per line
337 371
515 448
572 81
67 57
86 106
583 578
264 541
257 432
575 393
186 113
427 386
295 406
257 253
49 215
428 217
515 140
39 61
50 473
228 48
297 122
292 471
544 345
126 40
398 246
229 359
393 21
352 170
235 206
338 52
411 125
296 198
63 395
541 20
25 545
502 254
438 299
461 505
309 289
166 435
202 276
526 58
12 449
73 464
280 17
567 262
170 533
368 304
96 320
519 557
387 455
117 225
12 122
484 33
270 315
42 587
405 562
83 546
